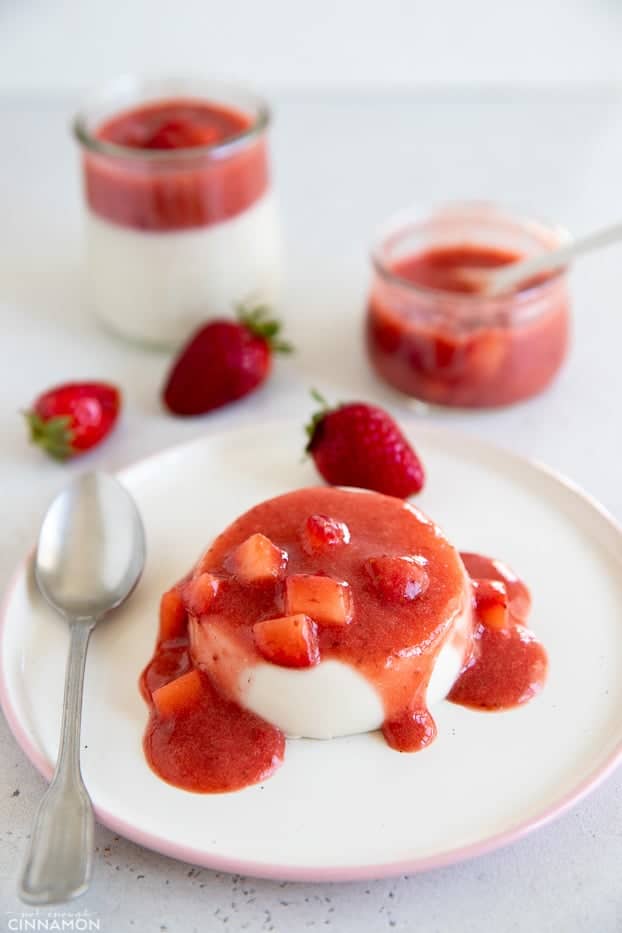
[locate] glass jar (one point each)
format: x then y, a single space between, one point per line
434 341
181 223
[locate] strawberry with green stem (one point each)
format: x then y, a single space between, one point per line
357 444
72 418
223 361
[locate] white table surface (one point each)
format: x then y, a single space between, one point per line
343 162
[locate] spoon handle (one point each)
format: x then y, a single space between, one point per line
60 857
506 278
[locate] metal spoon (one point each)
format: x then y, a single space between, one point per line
492 282
90 556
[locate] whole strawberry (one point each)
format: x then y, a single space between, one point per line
223 361
70 419
361 445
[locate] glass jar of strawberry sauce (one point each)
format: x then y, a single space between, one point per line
181 222
433 337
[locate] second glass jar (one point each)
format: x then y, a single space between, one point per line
433 339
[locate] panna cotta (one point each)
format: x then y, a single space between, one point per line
367 586
321 613
181 222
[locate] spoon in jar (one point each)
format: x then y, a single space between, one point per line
90 556
506 278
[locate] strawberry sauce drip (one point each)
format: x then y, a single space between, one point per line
216 745
507 666
212 747
507 669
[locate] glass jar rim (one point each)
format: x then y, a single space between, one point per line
84 135
418 215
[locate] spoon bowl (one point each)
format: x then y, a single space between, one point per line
91 548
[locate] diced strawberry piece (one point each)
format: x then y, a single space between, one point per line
398 579
487 354
327 601
321 532
173 618
491 603
480 567
384 333
291 641
199 593
258 559
179 695
215 649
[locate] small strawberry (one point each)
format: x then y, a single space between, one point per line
223 361
71 418
361 445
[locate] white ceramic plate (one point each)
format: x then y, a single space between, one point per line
347 808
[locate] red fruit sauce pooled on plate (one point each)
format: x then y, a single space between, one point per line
327 574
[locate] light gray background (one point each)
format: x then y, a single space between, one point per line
344 160
70 43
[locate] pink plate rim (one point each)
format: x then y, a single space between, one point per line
324 873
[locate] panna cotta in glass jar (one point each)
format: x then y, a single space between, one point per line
432 335
181 222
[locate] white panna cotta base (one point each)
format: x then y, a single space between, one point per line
157 287
333 699
322 702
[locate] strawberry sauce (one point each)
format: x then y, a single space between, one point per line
508 665
192 189
214 745
379 588
430 335
440 268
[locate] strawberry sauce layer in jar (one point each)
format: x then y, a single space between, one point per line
433 337
321 613
180 219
